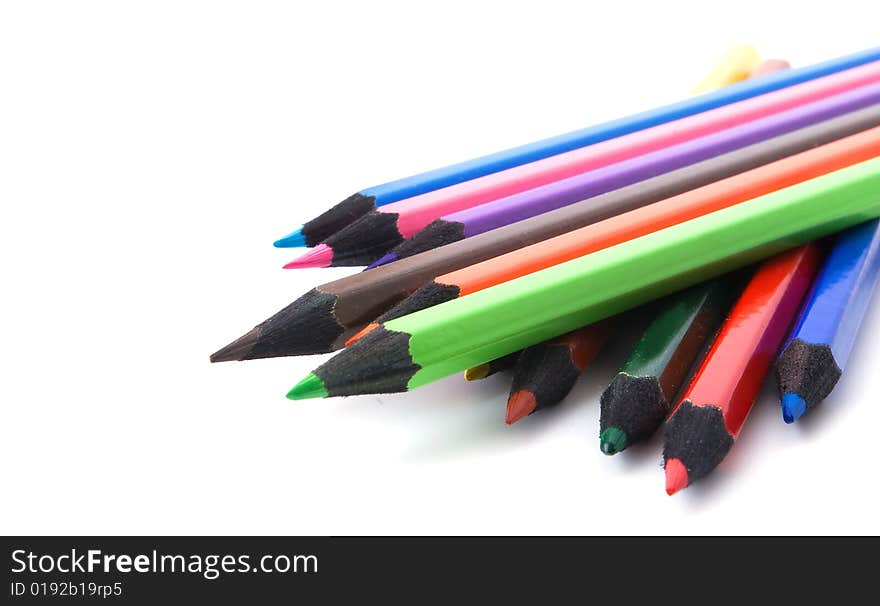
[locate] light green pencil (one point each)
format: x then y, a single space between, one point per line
430 344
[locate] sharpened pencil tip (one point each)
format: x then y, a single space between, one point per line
793 407
520 405
388 258
310 387
476 373
238 349
612 440
361 334
676 476
294 239
320 256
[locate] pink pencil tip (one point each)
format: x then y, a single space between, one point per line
319 256
676 476
769 66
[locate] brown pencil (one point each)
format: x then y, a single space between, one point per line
324 318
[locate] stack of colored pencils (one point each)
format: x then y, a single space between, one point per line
749 212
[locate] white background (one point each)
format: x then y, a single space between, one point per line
150 152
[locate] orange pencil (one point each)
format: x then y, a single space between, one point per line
628 226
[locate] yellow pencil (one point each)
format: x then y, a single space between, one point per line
736 65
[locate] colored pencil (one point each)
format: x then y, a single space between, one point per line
377 232
820 344
545 373
639 397
526 401
443 230
492 215
487 369
368 199
324 318
768 66
737 64
701 430
638 222
422 347
433 236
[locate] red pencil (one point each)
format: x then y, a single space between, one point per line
545 373
702 428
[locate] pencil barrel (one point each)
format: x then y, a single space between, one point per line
451 337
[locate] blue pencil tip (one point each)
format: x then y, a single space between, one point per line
793 407
389 258
292 240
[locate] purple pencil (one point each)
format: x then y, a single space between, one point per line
504 211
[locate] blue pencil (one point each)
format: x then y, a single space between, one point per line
369 199
818 348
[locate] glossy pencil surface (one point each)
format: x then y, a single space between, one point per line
638 399
701 430
324 318
441 232
642 221
516 208
691 314
439 341
820 344
374 234
443 177
379 195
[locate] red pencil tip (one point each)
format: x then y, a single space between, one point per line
362 333
520 404
676 476
320 256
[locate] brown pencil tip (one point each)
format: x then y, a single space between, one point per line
520 404
676 476
238 349
361 334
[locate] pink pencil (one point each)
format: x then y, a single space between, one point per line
768 66
374 234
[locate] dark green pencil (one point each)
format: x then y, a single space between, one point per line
639 397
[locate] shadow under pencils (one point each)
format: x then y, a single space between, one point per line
579 410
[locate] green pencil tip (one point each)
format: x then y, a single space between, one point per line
612 440
310 387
